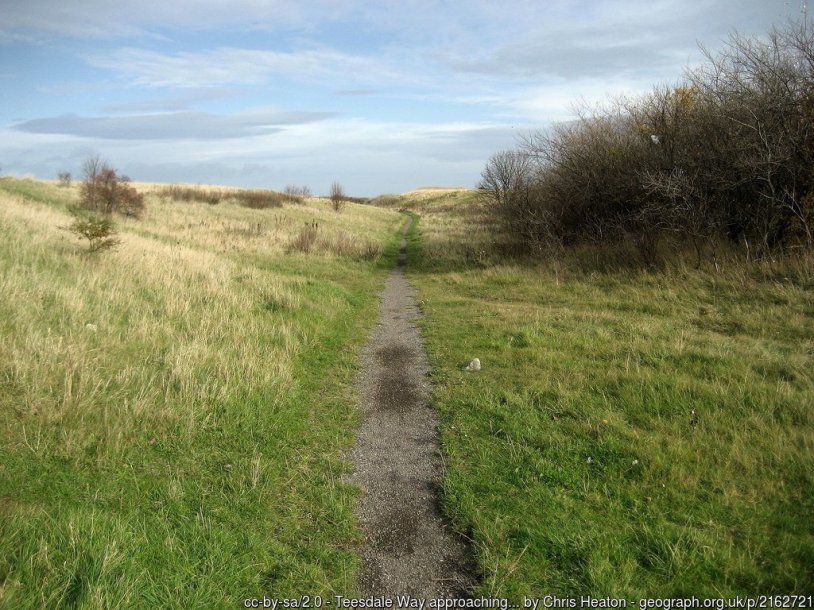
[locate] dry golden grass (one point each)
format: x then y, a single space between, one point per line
192 314
168 398
177 282
435 190
447 237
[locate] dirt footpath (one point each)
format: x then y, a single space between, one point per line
407 548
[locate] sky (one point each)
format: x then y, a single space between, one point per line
381 96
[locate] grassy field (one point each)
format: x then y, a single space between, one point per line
174 412
631 433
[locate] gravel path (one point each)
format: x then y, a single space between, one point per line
407 549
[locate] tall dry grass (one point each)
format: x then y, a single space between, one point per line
169 431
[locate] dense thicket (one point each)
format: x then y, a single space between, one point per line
728 155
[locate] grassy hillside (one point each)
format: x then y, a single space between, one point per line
631 433
174 412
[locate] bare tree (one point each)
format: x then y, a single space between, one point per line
680 206
338 197
727 154
297 192
762 93
91 170
104 191
506 174
512 195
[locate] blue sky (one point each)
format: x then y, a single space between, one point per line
380 96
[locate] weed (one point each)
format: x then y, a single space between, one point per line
306 239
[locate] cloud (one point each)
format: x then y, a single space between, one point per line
105 19
594 54
609 39
355 92
175 103
367 157
170 126
449 82
432 24
231 65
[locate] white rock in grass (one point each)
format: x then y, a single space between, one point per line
91 327
474 365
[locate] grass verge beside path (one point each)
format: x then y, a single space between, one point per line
573 457
174 413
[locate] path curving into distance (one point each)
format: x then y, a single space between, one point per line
407 548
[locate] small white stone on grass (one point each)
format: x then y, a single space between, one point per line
474 365
91 327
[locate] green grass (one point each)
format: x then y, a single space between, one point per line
573 458
175 413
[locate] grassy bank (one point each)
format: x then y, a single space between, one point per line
631 432
174 412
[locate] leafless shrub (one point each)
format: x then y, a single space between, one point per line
258 199
64 179
297 192
507 175
386 201
681 206
306 239
511 190
727 155
104 192
337 197
189 194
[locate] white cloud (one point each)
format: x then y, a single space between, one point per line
230 66
368 157
171 126
174 103
454 81
106 19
